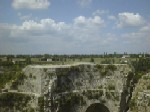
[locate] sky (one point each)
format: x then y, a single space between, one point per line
74 26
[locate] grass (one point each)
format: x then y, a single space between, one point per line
69 61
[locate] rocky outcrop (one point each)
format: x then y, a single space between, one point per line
73 88
140 101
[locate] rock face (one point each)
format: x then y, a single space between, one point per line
140 101
74 88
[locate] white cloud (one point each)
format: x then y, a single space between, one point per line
31 4
81 29
83 35
84 3
87 29
5 29
33 28
139 39
111 17
145 28
24 17
127 19
100 12
82 21
110 38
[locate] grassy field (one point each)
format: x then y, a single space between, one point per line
96 60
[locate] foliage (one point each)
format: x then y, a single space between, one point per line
6 63
132 104
41 104
74 69
108 96
14 100
10 73
111 87
45 70
100 87
138 76
92 60
99 67
28 60
142 65
106 61
62 71
130 76
18 79
148 87
93 94
78 84
30 75
103 73
111 67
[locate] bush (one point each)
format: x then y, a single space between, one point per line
14 100
99 67
111 87
130 75
111 67
132 104
62 71
74 69
148 87
41 104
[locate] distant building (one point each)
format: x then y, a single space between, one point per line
124 61
18 60
126 56
49 60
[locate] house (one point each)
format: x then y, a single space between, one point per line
140 56
124 59
18 61
49 60
126 56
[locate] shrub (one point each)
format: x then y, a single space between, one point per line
30 75
14 99
111 87
99 67
41 104
148 87
111 67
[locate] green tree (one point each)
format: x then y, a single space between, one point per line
92 60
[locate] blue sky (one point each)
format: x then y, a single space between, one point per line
74 26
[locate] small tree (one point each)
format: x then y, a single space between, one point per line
92 60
